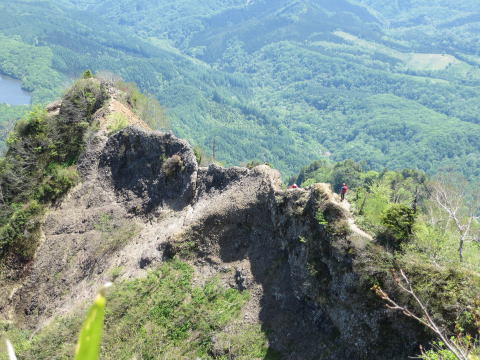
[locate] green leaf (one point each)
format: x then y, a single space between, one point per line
10 350
88 346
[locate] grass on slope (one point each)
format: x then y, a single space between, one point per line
161 316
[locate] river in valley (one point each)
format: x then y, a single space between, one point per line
11 92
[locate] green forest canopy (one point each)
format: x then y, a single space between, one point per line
277 81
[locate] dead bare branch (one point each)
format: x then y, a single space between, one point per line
452 201
405 285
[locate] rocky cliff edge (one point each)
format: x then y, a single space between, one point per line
143 199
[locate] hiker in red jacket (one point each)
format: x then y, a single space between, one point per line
343 191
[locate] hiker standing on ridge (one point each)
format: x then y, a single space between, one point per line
343 191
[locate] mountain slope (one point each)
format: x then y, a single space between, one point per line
281 82
263 23
143 204
213 262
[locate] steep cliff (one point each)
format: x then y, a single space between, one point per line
143 200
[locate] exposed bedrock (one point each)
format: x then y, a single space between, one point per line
143 199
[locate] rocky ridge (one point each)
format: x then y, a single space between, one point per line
143 199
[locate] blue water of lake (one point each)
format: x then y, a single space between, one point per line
11 92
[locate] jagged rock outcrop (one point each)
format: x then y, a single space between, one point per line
143 199
148 171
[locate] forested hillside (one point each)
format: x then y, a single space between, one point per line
286 82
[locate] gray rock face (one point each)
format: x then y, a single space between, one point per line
305 280
149 170
216 178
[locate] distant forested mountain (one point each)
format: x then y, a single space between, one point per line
394 84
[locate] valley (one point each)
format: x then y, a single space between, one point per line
212 255
278 82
